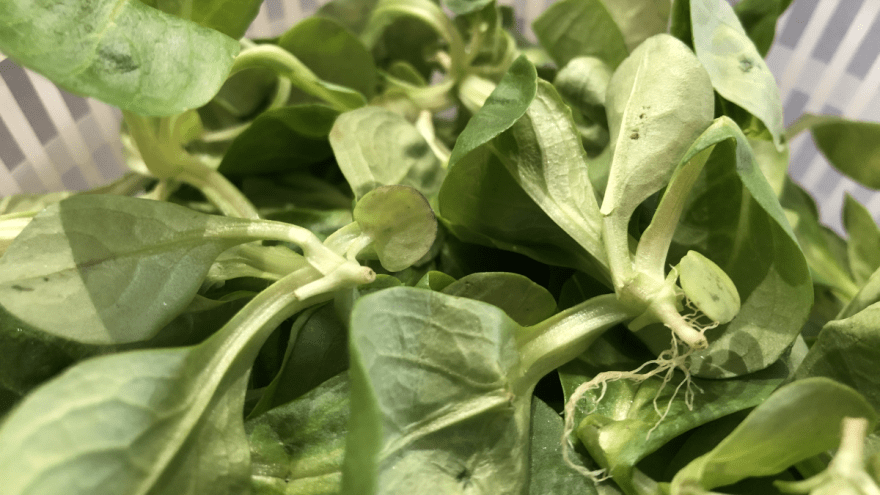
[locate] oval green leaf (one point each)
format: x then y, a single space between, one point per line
377 147
708 287
400 222
124 53
772 437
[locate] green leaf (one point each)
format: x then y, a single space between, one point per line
827 268
864 239
480 203
463 7
548 472
427 12
353 14
583 83
281 140
318 339
505 105
866 296
758 18
847 351
580 28
333 53
639 19
543 153
126 54
654 114
772 438
524 301
852 147
400 223
31 356
733 218
469 434
111 269
377 147
434 280
230 17
738 72
708 287
624 427
298 448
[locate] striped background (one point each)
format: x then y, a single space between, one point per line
826 59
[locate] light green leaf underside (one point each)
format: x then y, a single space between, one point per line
119 51
654 114
377 147
431 374
230 17
543 153
737 70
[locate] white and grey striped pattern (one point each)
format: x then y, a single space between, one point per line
826 59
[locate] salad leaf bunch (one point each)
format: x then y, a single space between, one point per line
402 248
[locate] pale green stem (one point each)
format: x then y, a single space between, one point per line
285 64
655 241
561 338
218 190
616 237
167 160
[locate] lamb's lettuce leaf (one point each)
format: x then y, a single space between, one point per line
124 53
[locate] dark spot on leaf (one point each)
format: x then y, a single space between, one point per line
641 116
117 62
45 279
715 297
634 135
745 64
21 288
464 477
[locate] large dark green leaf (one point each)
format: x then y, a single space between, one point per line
281 140
298 448
433 399
333 53
230 17
125 53
353 14
771 438
580 28
107 269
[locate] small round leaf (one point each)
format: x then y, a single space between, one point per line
400 222
708 287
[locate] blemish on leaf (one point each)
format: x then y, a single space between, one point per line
745 64
634 135
22 288
463 477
